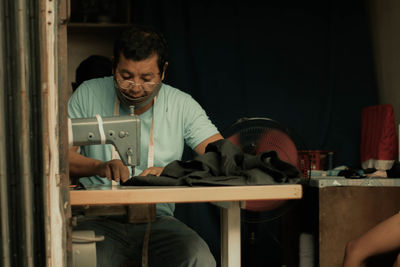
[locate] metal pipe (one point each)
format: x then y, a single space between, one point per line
4 223
23 131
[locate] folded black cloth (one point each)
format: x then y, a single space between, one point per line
223 163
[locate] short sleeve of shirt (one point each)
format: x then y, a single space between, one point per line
92 97
198 126
77 102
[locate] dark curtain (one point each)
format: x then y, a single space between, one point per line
306 64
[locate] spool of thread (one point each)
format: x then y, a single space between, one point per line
330 160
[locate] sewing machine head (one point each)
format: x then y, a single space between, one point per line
123 132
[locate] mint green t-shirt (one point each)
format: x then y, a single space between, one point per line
178 118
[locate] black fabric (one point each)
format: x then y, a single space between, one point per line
223 164
394 172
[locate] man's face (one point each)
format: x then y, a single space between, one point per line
137 78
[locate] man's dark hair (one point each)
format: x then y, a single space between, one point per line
139 43
92 67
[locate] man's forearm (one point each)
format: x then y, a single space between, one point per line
81 166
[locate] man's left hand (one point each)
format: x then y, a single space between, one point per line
153 171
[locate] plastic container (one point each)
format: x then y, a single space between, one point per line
314 160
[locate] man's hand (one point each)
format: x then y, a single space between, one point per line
152 170
113 170
81 166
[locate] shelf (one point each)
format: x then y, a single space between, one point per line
97 25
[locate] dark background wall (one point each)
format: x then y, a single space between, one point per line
306 64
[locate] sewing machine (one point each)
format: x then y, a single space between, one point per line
123 132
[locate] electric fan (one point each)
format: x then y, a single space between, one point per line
256 135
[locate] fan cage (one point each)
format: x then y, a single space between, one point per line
255 135
247 133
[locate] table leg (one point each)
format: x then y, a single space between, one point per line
230 235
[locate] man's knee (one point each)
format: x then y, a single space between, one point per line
397 261
354 254
199 255
351 248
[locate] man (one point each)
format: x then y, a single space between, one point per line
169 118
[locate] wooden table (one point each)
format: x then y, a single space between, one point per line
231 199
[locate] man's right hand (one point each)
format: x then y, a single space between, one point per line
113 170
81 166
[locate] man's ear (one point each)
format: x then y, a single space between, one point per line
164 69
